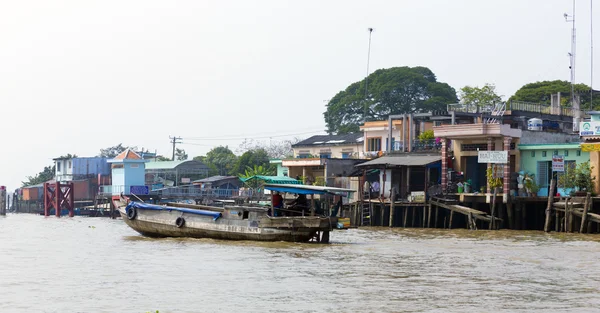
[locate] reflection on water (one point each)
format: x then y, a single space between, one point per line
99 265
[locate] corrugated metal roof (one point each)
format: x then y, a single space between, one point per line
214 179
405 160
274 179
331 140
165 165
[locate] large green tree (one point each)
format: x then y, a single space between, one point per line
394 90
180 155
41 177
220 160
540 92
479 96
251 159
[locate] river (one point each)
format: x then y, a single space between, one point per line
100 265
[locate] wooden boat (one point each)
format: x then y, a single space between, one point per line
231 222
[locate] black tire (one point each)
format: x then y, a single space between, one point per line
180 222
131 213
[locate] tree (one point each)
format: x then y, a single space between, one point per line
112 152
479 96
250 159
41 177
180 154
220 160
255 184
395 90
540 92
162 158
274 149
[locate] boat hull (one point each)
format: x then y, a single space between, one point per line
163 223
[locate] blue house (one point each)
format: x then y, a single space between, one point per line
128 174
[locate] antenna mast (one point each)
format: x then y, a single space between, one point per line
367 77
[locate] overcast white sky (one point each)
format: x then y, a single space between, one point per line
77 76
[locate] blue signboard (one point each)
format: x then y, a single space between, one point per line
139 190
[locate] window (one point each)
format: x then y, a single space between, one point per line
58 166
134 166
69 163
543 154
346 155
533 154
473 147
325 155
555 152
578 153
566 153
374 144
543 175
437 123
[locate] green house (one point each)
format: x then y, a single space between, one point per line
537 159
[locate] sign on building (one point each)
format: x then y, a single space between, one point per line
139 190
500 157
186 180
589 128
417 196
558 163
589 147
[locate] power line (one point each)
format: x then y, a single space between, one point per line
251 137
174 142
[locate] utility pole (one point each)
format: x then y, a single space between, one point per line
591 56
367 78
571 18
174 142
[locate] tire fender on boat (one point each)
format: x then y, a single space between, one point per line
180 222
131 213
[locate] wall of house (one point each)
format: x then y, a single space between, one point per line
459 163
381 130
118 180
134 175
90 166
336 151
539 137
63 170
532 154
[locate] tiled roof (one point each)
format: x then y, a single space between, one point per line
331 140
128 155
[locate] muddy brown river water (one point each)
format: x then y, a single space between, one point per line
100 265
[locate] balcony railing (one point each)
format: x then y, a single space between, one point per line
426 145
513 106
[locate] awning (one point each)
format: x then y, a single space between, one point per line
309 190
401 160
273 179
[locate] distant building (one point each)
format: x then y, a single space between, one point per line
347 146
173 173
128 171
219 182
68 169
281 170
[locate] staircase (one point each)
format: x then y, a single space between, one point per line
497 113
366 210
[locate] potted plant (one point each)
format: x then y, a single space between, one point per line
530 184
493 182
578 178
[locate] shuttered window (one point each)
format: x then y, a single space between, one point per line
542 173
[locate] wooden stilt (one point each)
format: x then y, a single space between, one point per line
392 206
549 206
571 217
556 221
493 208
412 224
585 211
405 216
424 211
435 224
382 214
566 223
429 216
444 221
509 212
451 215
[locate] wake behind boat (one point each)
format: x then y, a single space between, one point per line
233 222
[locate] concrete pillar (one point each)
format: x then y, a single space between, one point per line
444 162
506 180
490 147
